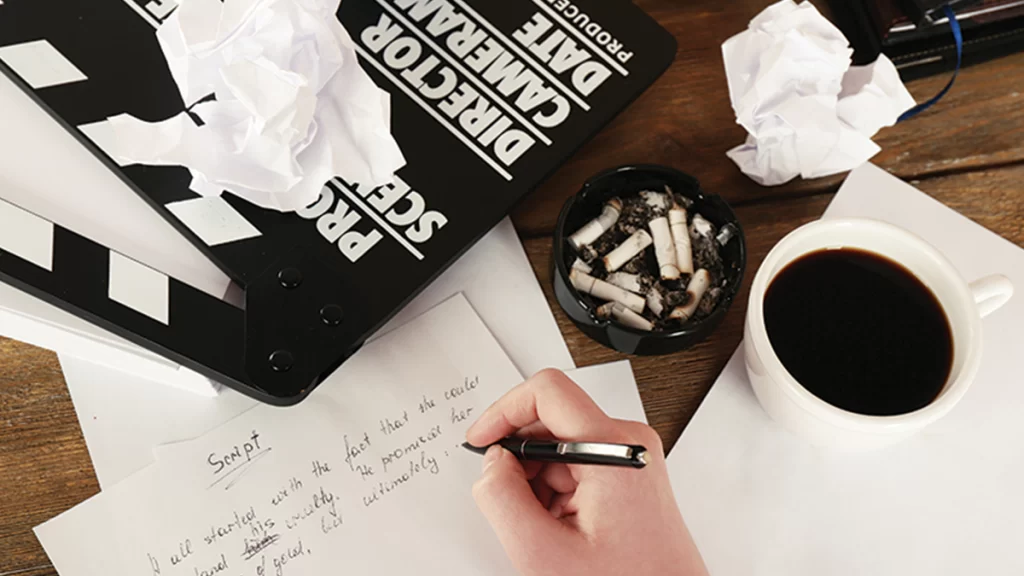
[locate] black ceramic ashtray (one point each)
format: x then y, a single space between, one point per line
646 262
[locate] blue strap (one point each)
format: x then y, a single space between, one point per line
958 38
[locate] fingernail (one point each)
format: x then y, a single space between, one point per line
556 510
492 455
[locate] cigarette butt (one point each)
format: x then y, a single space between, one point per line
624 316
604 291
626 281
595 228
625 252
582 266
655 301
701 227
706 249
695 289
725 234
664 248
681 239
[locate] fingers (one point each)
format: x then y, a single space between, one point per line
549 397
543 492
537 430
559 478
551 481
532 468
507 500
560 506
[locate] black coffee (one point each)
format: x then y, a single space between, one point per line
859 331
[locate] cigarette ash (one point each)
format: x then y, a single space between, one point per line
651 261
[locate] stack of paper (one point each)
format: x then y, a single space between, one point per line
371 458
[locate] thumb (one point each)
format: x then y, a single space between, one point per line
504 495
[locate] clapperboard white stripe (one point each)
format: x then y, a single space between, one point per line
583 38
376 218
437 116
103 136
462 69
161 9
40 64
119 294
26 235
213 220
142 12
31 238
525 56
139 287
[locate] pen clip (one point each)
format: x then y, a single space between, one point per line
596 449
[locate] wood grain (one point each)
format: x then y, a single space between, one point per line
44 465
966 153
685 121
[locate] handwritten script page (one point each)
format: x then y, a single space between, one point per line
366 476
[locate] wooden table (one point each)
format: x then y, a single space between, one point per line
968 153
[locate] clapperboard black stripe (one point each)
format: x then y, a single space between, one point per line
487 99
201 332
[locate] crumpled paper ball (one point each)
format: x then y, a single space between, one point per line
807 112
282 104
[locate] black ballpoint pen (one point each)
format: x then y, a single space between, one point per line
571 452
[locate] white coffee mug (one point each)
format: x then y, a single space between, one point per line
823 424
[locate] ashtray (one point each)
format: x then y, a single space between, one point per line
614 262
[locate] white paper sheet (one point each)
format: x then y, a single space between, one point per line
123 416
418 386
807 112
613 388
499 282
760 501
370 460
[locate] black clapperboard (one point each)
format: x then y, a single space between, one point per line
489 97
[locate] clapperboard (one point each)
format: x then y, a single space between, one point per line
488 98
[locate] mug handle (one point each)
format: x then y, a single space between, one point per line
991 292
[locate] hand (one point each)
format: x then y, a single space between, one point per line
573 519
